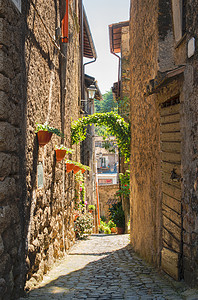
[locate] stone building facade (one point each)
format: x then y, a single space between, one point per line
40 81
107 198
119 34
164 146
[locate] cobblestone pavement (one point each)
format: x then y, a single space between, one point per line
105 267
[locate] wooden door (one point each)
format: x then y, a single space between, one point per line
171 187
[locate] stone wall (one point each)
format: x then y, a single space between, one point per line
190 149
37 85
11 151
52 95
106 193
124 105
145 160
154 48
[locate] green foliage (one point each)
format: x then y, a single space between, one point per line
110 146
106 227
124 184
103 226
116 127
78 164
80 179
117 214
108 104
83 225
111 224
46 127
62 147
107 230
91 207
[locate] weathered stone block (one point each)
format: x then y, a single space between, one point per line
6 66
3 287
4 83
8 189
5 165
5 264
8 137
5 110
1 246
16 88
5 32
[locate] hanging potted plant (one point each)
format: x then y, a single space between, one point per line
75 166
44 133
61 151
76 169
69 165
84 168
91 208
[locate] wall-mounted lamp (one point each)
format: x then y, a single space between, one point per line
91 91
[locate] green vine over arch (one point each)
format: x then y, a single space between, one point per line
115 124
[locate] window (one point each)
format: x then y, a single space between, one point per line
17 4
178 9
103 162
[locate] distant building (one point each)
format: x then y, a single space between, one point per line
107 160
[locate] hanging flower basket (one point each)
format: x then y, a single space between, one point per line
60 154
43 137
76 169
69 167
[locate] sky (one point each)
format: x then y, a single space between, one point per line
100 14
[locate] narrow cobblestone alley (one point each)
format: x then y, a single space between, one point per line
105 267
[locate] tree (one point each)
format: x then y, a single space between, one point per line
108 104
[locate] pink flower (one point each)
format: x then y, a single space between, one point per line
80 188
85 202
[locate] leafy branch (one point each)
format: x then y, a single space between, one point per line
115 124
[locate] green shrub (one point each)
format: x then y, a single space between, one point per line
117 214
111 224
83 225
107 230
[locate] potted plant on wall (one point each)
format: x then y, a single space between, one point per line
44 133
69 165
91 208
117 216
61 151
75 166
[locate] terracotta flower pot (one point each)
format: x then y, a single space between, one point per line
69 167
113 230
75 217
120 230
60 154
43 137
76 169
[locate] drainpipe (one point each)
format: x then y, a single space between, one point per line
82 49
119 64
89 62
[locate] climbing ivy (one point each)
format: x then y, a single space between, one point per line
115 124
